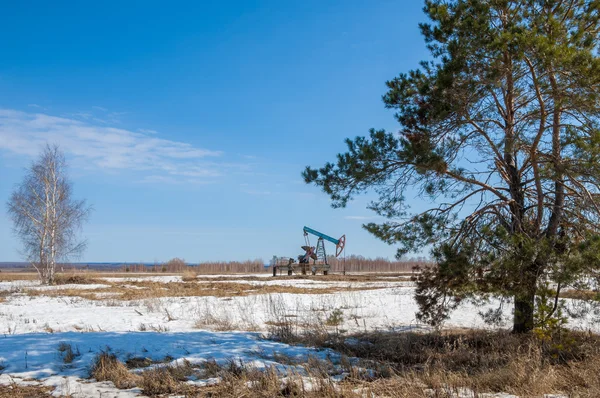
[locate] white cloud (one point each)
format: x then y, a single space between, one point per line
147 131
107 148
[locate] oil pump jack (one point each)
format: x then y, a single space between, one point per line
317 254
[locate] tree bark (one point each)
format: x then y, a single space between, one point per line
523 316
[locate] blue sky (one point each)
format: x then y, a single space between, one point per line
187 124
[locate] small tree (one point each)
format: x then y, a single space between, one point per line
500 134
45 216
174 265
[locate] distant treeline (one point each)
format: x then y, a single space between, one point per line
179 265
338 265
349 264
361 264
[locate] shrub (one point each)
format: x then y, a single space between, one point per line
66 353
74 279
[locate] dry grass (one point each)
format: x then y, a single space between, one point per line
107 367
580 294
16 391
268 383
195 273
480 361
3 295
149 289
76 278
84 274
67 353
159 381
415 365
389 277
168 379
18 276
189 275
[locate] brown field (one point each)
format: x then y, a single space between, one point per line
8 276
384 277
148 289
192 274
30 276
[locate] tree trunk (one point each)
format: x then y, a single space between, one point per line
523 316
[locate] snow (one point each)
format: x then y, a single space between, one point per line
368 309
88 286
35 355
16 285
322 284
31 327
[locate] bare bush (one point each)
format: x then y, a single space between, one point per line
67 353
190 275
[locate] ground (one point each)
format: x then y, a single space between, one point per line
52 336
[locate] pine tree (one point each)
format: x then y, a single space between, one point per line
499 131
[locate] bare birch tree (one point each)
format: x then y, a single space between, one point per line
45 216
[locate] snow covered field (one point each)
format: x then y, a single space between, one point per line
194 328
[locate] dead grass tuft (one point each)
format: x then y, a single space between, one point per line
107 367
159 381
168 379
75 278
271 383
3 295
189 275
